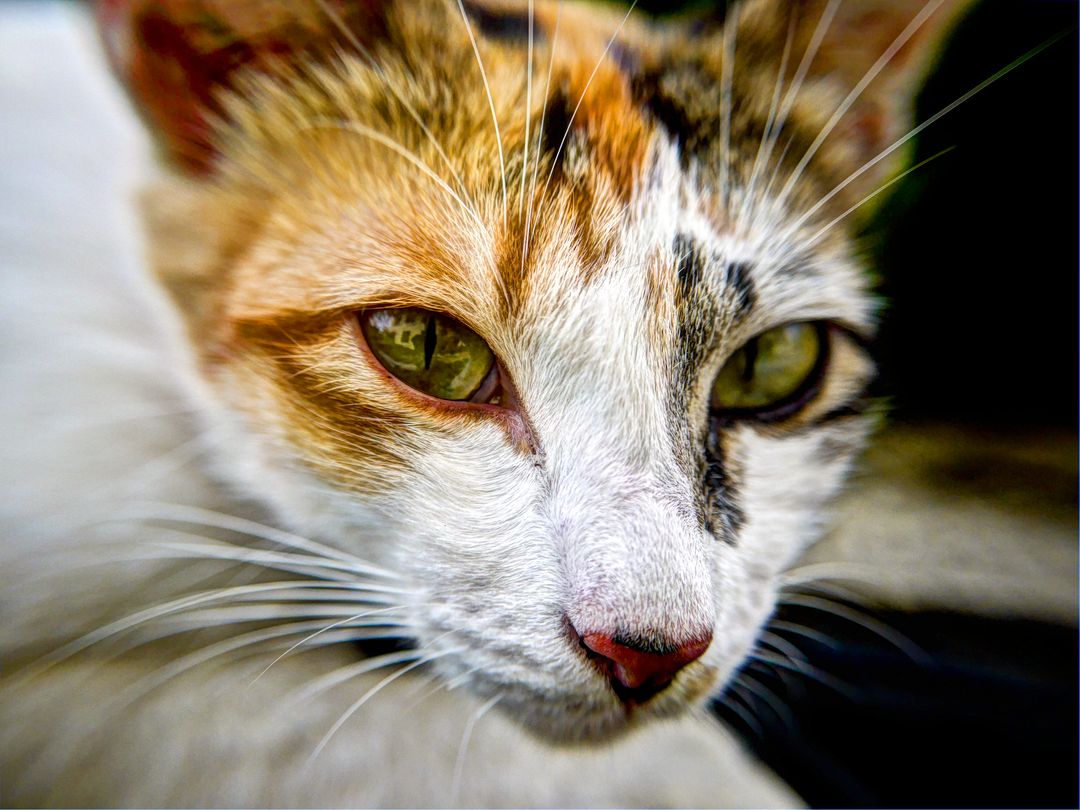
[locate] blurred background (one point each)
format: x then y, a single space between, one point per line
925 653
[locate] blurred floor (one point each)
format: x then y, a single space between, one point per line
963 518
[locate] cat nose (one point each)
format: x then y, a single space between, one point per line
640 668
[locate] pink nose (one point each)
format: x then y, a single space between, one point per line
638 670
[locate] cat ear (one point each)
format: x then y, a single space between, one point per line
874 55
179 57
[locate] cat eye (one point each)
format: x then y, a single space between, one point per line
772 370
430 352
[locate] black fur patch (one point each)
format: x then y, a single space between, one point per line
738 280
723 517
691 267
667 111
558 118
504 26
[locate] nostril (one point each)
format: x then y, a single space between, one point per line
638 668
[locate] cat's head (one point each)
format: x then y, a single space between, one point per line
555 314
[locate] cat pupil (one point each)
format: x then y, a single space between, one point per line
750 353
430 339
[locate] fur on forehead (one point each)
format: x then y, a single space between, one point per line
373 174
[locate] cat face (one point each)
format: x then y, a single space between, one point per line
628 248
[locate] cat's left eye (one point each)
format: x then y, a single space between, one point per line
771 371
430 352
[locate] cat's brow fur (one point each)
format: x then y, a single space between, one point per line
667 213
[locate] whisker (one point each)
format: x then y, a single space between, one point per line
805 632
374 66
528 113
812 48
463 747
324 630
180 513
306 564
829 226
770 120
771 699
783 646
744 711
158 611
355 707
727 71
347 672
539 140
915 131
807 670
491 103
901 39
385 140
581 98
880 629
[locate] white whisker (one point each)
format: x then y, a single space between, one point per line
463 747
889 634
915 131
355 707
324 630
385 140
581 98
491 103
180 513
894 47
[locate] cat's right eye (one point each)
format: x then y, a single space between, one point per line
430 352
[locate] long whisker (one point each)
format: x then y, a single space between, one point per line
727 81
528 113
385 140
283 561
812 672
805 632
772 700
812 48
233 644
463 747
770 120
915 131
158 611
824 229
901 39
373 65
355 707
491 102
539 140
328 628
581 98
180 513
889 634
348 672
746 714
306 620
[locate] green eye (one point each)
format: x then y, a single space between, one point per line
430 352
771 368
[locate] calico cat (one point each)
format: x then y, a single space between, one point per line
526 342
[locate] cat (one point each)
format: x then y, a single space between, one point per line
509 353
